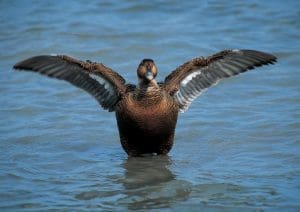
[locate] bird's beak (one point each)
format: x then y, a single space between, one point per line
149 75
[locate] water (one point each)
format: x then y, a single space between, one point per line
236 148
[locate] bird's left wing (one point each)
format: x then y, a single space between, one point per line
189 80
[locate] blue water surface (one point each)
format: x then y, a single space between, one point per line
236 148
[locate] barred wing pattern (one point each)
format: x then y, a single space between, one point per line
188 81
101 82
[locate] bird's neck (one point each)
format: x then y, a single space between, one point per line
148 92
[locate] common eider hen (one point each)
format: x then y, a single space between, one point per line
147 113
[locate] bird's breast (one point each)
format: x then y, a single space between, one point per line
147 117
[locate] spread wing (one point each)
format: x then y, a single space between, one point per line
101 82
189 80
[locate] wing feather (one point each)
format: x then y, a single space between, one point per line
192 78
102 83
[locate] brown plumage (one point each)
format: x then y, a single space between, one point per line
147 113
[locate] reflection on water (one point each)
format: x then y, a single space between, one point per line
147 171
147 183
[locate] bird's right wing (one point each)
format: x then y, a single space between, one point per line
104 84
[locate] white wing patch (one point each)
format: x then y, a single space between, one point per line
109 97
189 90
103 82
189 78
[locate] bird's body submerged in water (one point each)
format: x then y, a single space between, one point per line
147 113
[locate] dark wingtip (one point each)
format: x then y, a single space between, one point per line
22 64
273 58
27 63
17 66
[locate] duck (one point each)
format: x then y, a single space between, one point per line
147 113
